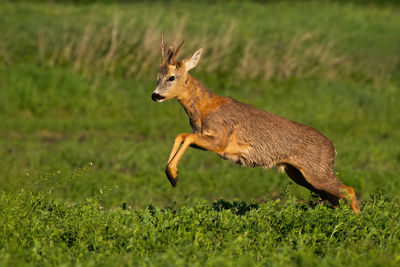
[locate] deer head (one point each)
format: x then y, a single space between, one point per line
172 74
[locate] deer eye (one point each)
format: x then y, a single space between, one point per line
170 79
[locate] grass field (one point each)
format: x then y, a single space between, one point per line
83 148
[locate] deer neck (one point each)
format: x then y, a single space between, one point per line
198 101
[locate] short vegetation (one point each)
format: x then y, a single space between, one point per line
83 148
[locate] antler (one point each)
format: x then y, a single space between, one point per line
162 49
172 54
176 52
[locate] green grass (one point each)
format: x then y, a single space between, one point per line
76 118
45 232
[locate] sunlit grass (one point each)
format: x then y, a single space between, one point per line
78 131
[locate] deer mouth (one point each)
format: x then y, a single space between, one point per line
157 97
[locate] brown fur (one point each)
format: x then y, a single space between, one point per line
250 137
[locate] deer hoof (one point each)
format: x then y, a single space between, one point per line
172 175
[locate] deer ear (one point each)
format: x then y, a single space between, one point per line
191 61
170 53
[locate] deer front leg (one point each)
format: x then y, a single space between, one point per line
204 141
178 141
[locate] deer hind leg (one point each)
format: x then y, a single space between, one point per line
332 186
348 192
203 141
298 178
329 188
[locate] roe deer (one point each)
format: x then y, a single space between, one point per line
246 135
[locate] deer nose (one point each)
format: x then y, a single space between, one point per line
156 97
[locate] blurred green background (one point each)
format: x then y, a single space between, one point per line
76 77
